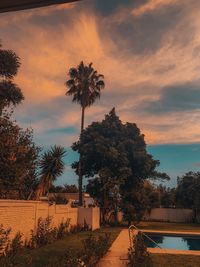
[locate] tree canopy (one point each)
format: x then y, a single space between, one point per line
18 152
10 93
187 192
115 155
18 159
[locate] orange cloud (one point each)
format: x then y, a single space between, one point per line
48 52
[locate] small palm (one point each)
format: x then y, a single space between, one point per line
52 166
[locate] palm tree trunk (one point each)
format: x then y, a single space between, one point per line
82 119
80 182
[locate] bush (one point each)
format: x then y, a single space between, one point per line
95 248
44 234
10 258
62 229
138 255
4 237
80 228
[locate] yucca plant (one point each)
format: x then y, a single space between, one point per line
51 167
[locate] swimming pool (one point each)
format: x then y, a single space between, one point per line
183 242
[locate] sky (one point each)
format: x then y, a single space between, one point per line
149 53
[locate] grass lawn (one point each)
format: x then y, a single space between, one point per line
45 254
169 226
169 260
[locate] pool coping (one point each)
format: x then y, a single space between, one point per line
173 251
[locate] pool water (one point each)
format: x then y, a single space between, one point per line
173 242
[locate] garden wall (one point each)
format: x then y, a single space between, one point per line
22 216
90 216
169 215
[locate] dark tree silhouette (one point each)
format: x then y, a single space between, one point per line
10 93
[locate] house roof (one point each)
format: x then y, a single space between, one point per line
15 5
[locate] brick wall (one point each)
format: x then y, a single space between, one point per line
22 216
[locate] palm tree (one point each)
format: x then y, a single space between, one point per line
52 166
84 86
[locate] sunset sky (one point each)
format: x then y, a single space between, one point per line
149 52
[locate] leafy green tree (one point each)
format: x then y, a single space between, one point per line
167 196
18 160
187 192
115 155
10 93
84 86
51 166
18 153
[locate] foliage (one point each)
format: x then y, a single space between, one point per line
18 153
11 249
64 189
187 192
51 166
10 93
95 248
62 229
18 160
114 154
58 199
84 85
167 196
4 237
138 255
70 259
44 233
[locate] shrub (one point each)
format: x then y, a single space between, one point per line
10 258
44 233
80 228
95 248
138 255
62 229
4 237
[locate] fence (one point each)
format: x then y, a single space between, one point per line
169 215
22 216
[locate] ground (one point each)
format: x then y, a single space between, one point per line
167 260
42 256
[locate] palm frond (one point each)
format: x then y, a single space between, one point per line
85 84
51 167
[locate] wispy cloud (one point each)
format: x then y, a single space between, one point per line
145 50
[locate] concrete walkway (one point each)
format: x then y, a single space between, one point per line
117 254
